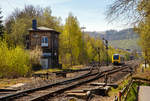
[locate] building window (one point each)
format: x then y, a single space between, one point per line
44 41
55 43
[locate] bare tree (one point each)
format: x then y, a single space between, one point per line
129 10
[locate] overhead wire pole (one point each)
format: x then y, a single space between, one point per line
106 45
107 52
98 52
98 49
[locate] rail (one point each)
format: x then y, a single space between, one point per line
72 83
20 93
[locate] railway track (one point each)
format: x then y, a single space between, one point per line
98 88
52 90
76 84
20 94
57 87
65 71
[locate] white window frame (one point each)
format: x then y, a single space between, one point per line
44 43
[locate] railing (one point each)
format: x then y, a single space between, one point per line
122 96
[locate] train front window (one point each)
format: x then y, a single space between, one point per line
116 57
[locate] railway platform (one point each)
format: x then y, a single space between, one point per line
143 94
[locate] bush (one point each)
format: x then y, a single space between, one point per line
35 56
14 61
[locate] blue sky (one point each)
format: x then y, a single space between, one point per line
90 13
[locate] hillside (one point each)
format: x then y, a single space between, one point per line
115 35
125 44
126 39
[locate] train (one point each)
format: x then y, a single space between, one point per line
117 59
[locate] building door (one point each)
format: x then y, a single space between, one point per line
50 63
44 63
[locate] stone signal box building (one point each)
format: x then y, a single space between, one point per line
48 40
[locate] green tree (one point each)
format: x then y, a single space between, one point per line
144 32
95 49
143 28
71 41
20 21
1 25
90 48
14 61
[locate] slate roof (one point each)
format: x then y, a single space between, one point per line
42 29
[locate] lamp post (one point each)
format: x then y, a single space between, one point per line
82 28
106 45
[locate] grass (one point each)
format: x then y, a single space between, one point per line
48 70
77 67
132 95
9 82
121 85
57 69
139 74
145 74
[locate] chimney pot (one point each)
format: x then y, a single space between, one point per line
34 24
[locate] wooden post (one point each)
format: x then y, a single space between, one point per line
106 78
145 58
119 96
116 98
142 69
47 75
109 79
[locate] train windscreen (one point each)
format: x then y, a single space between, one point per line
116 57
